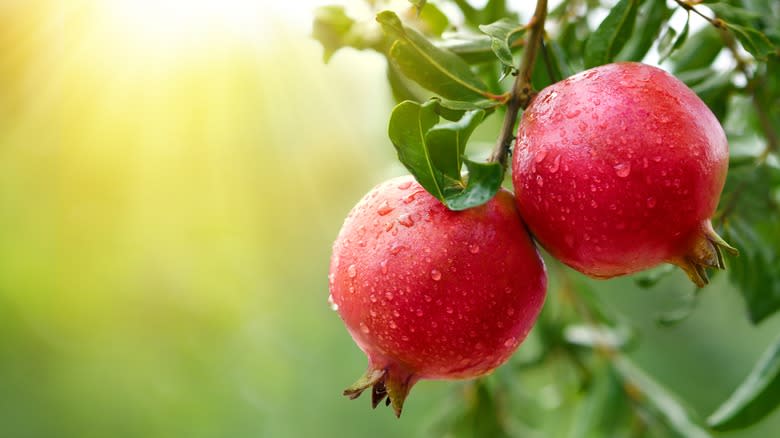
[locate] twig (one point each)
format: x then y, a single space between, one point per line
717 22
521 92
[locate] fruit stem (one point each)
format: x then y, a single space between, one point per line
705 251
392 382
522 90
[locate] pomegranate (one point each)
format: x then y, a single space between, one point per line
619 168
429 293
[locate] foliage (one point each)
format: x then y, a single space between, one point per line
448 82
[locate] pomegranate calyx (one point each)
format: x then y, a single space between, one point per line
705 251
391 384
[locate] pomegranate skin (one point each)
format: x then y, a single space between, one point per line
431 293
620 168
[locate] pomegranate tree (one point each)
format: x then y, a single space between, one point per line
429 293
619 168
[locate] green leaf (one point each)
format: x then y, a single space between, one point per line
749 214
435 69
432 20
331 28
500 32
756 396
447 142
733 14
651 16
419 4
604 408
753 41
408 125
699 52
484 180
673 414
607 40
678 42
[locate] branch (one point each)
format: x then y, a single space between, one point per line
717 22
521 92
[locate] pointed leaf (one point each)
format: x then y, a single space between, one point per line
755 397
434 68
753 41
331 28
447 142
673 414
484 180
409 123
500 33
651 16
611 35
668 49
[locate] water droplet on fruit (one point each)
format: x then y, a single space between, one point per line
435 274
572 114
372 312
393 325
651 202
405 185
540 156
622 169
449 310
593 203
396 248
555 164
539 180
383 266
333 306
389 296
372 297
509 342
473 248
396 314
352 271
419 312
510 311
364 328
384 209
405 220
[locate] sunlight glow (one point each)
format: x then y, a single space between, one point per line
176 24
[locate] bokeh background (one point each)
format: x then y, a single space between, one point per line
172 175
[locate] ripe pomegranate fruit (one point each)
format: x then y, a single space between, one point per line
619 168
429 293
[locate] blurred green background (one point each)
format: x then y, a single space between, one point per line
170 186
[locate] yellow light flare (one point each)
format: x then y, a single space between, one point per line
155 25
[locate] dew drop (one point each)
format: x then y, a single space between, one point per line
419 312
510 311
372 297
352 271
593 203
473 248
405 185
572 114
396 248
393 325
405 220
540 156
651 202
555 164
333 306
622 169
449 310
435 274
384 209
509 342
383 266
396 314
372 312
539 180
389 296
364 328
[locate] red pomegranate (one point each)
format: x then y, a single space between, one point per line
619 168
429 293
